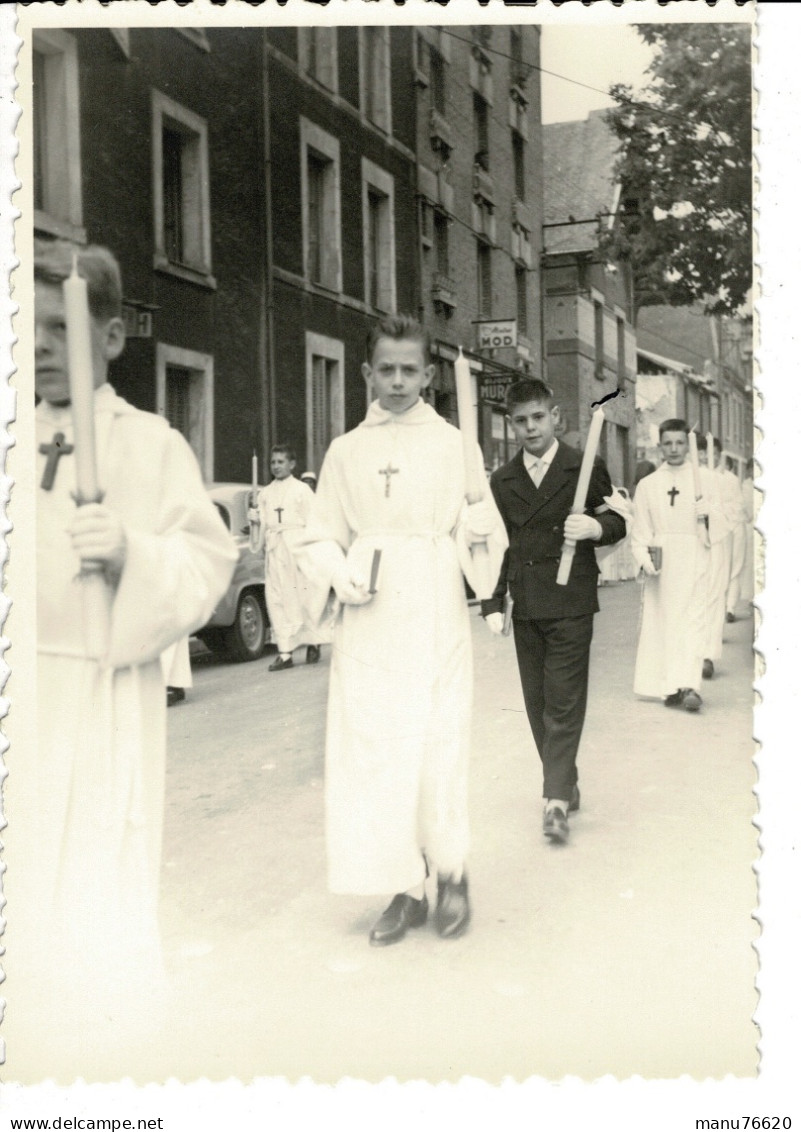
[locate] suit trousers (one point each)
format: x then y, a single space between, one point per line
553 656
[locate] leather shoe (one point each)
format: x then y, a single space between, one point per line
675 699
312 654
453 908
554 824
730 618
708 670
175 696
279 664
404 912
691 701
575 801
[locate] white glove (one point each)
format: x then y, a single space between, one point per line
701 509
350 585
648 567
253 515
578 527
479 521
495 623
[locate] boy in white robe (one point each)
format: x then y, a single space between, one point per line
398 729
283 509
673 526
87 805
726 551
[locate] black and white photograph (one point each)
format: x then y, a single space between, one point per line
386 435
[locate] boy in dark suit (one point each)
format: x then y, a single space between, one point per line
552 623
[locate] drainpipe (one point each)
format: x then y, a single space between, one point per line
267 300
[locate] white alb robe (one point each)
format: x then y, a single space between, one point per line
673 621
399 708
723 563
89 802
284 507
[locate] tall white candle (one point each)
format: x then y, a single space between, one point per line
82 384
254 467
710 451
467 427
473 482
580 496
95 594
693 443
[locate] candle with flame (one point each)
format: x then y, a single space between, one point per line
580 496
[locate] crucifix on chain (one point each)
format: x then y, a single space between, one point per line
674 491
57 448
279 512
387 472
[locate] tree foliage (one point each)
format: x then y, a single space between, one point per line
685 169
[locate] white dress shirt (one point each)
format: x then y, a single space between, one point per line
537 466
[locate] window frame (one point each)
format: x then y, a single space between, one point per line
62 202
322 67
332 350
326 148
383 119
203 366
382 184
166 114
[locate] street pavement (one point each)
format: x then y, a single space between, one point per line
626 952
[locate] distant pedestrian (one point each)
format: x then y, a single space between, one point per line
391 532
283 509
552 624
726 551
670 542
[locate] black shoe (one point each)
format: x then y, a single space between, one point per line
708 670
404 912
730 617
554 825
691 701
312 654
575 801
175 696
453 908
676 699
279 664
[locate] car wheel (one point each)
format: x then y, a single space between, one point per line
245 639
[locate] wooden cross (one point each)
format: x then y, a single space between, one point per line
674 491
279 512
54 451
387 472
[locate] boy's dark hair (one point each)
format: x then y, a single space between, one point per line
528 389
398 327
283 450
715 443
673 424
52 263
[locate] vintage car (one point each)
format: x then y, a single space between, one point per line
239 627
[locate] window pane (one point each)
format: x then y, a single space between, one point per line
437 82
522 304
481 130
519 157
441 244
484 274
172 144
374 205
177 398
39 130
316 185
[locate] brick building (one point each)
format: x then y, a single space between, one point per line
270 192
149 140
342 224
479 182
589 337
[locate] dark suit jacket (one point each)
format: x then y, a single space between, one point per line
535 519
